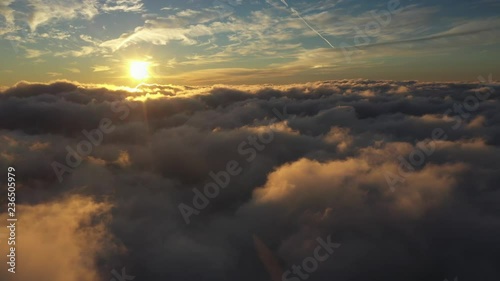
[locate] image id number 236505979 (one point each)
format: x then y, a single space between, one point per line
11 220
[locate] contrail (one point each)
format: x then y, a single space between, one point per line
308 25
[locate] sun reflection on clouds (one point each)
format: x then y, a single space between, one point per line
146 97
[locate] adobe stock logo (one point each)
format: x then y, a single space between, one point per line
310 264
220 180
93 138
121 277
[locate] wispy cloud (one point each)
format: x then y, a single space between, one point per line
47 10
462 30
54 74
123 5
100 68
6 11
73 70
312 28
296 13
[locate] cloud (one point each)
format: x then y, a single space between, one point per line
66 228
6 11
44 11
47 10
73 70
156 36
325 169
54 74
451 33
188 25
31 53
123 5
100 68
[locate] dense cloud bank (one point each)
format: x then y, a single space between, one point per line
402 177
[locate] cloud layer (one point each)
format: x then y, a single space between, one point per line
404 175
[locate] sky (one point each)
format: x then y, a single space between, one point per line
247 42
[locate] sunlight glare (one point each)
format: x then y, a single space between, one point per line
139 70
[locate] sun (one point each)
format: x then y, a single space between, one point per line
139 70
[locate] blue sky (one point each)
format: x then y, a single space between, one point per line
247 42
